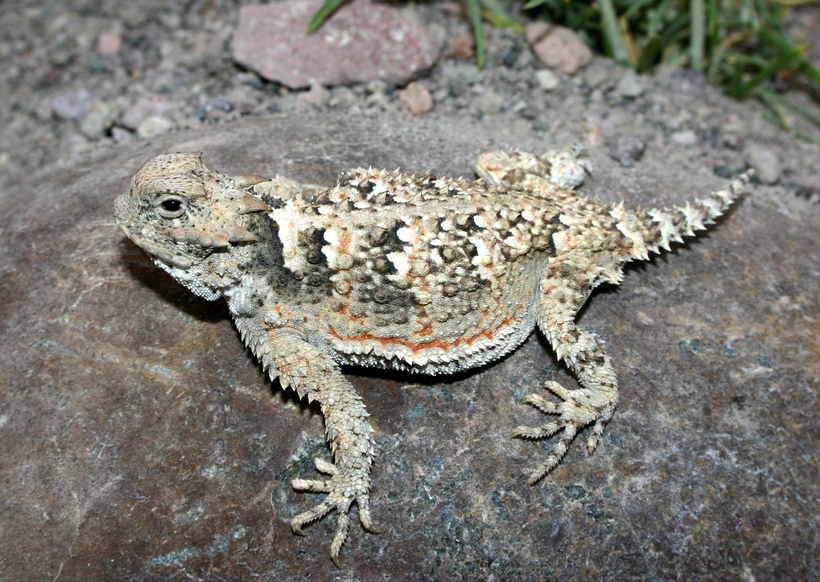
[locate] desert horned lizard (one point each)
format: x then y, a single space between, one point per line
418 273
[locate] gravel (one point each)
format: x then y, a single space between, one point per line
77 80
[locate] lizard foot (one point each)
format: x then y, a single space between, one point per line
573 413
343 488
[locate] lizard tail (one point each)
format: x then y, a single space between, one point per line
652 230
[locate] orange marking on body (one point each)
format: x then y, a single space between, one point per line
344 242
426 330
415 348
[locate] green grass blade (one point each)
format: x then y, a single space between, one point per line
793 130
799 110
697 28
657 17
474 12
328 8
496 8
744 59
502 22
612 33
773 102
802 64
650 53
631 13
497 15
677 29
534 4
766 72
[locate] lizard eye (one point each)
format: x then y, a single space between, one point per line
171 206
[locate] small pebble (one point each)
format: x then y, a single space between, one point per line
121 135
519 106
599 73
688 82
558 47
214 109
154 126
460 77
547 80
686 138
376 86
97 121
764 161
630 85
627 149
62 52
342 98
73 105
489 103
462 47
317 95
153 105
109 43
416 99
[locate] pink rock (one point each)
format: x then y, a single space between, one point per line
109 43
317 95
416 99
558 47
359 43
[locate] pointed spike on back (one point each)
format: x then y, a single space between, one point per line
247 181
249 203
237 234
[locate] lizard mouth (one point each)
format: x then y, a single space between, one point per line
120 212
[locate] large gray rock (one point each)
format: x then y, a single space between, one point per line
139 440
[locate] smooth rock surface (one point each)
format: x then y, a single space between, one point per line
139 440
350 46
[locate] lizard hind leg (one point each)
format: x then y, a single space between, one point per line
593 403
565 169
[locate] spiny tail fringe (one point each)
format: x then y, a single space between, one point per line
661 227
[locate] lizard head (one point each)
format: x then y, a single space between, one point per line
181 213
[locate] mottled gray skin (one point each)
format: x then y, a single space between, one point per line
425 274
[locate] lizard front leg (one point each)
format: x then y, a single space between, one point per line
314 374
